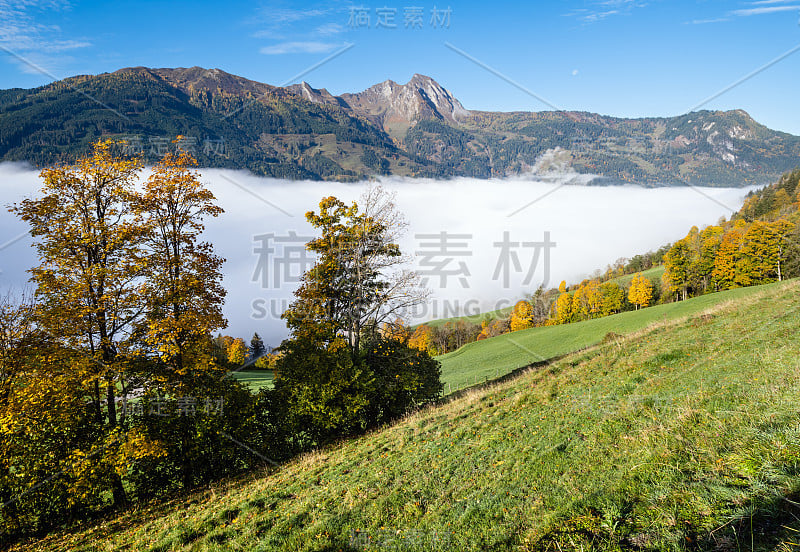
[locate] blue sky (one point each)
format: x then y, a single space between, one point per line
616 57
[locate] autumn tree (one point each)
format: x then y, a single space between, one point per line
727 272
782 202
521 317
359 280
677 264
613 298
641 291
422 339
126 297
764 251
45 429
493 328
710 240
484 333
396 330
89 281
587 300
326 379
237 352
563 307
184 283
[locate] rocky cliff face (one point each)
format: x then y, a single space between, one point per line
316 95
388 104
395 106
392 106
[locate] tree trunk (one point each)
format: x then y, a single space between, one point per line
111 398
97 405
118 491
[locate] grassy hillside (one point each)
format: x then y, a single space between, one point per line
472 318
485 360
684 436
490 358
654 273
255 379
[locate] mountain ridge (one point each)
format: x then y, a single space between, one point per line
417 129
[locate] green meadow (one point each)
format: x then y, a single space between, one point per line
491 358
678 432
485 360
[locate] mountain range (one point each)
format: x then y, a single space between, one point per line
417 129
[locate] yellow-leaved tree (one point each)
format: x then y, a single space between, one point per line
237 352
89 282
184 290
641 291
422 339
587 302
521 316
562 308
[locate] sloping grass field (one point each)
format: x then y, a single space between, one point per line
491 358
254 379
683 435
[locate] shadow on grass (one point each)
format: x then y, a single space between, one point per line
771 525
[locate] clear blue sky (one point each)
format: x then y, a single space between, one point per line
616 57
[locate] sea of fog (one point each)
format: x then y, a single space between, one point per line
482 244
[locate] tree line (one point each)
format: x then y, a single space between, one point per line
113 388
759 245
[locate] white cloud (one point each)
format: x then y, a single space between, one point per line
599 10
329 29
268 33
300 47
290 15
591 225
706 21
33 45
764 9
761 7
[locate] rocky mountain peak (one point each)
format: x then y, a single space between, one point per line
315 95
397 107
